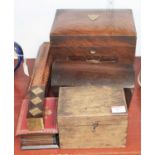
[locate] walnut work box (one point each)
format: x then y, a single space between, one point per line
92 117
93 47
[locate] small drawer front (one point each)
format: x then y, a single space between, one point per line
121 55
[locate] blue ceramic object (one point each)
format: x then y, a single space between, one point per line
19 52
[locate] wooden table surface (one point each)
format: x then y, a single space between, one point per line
134 129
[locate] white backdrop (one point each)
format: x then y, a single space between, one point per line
34 18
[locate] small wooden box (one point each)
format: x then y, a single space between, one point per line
92 117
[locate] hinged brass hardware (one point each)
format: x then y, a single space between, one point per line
93 17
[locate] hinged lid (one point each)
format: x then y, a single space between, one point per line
84 105
93 22
100 27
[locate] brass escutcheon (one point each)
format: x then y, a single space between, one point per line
93 17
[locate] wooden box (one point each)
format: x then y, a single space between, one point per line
92 117
101 35
84 39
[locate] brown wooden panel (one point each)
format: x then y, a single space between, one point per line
133 137
102 98
37 87
123 55
110 33
86 120
42 65
95 41
80 73
116 22
90 137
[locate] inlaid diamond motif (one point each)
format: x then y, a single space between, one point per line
36 100
37 90
35 111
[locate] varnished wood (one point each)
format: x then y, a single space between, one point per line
133 138
75 22
93 41
123 55
42 64
112 34
77 74
38 86
93 52
85 119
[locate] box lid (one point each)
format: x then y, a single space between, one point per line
81 105
79 22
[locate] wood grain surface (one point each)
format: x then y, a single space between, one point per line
75 73
85 118
93 52
37 87
42 66
75 22
111 35
89 101
134 131
121 55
